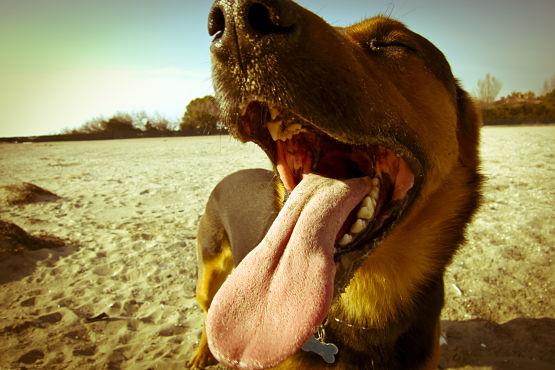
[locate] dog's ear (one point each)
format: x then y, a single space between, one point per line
468 129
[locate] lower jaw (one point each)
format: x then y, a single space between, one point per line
382 204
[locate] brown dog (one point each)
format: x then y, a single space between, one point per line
375 148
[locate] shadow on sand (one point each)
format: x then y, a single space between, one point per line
522 343
20 251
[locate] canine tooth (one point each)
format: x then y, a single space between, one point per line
274 112
346 239
275 129
358 226
368 202
365 213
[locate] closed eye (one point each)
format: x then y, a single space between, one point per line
377 45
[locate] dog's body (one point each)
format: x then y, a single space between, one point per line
375 86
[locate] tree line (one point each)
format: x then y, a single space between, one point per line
201 115
200 118
517 107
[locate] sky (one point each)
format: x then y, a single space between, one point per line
65 62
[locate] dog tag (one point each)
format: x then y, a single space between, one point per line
325 350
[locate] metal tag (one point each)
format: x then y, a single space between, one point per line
325 350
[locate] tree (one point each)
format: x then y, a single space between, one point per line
119 125
156 125
201 117
488 88
548 85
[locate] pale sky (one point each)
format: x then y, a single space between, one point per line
64 62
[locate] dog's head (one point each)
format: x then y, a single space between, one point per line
373 100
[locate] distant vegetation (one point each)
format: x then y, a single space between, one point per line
201 116
517 107
122 125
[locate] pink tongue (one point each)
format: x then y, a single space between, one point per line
282 290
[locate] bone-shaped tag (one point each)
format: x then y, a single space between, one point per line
325 350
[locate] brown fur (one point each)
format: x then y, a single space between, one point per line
357 92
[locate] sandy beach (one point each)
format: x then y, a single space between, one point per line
102 272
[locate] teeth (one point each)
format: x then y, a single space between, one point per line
278 132
292 130
358 226
274 112
346 239
368 205
275 129
369 202
365 213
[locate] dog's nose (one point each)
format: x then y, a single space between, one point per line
237 25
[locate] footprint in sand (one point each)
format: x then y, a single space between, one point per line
31 357
126 338
103 270
172 330
50 318
133 325
117 358
85 350
131 307
78 334
29 302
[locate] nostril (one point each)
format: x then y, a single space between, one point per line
216 22
258 17
260 20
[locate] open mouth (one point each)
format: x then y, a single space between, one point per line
342 199
297 147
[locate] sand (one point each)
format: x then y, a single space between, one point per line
115 286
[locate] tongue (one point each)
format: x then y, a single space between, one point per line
282 290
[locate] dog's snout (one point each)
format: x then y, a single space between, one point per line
236 26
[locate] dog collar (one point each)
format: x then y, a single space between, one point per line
360 327
317 342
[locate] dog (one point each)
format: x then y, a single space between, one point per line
336 258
